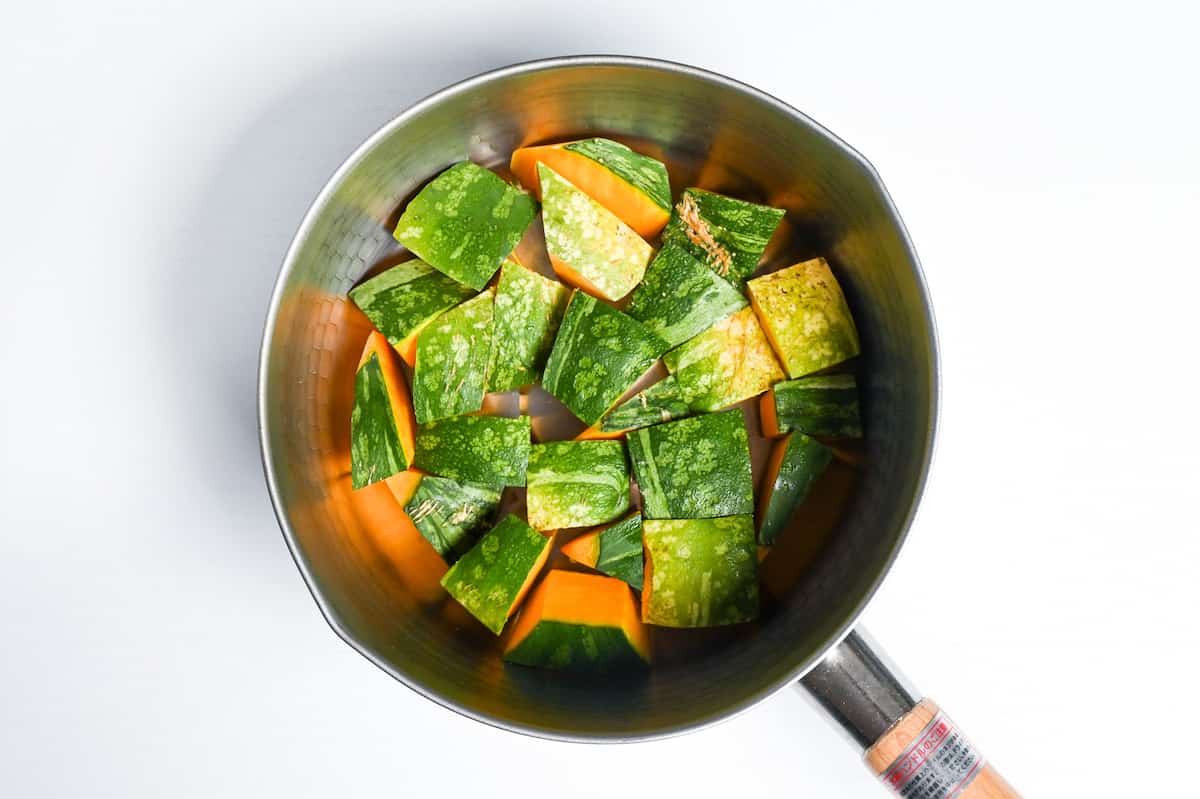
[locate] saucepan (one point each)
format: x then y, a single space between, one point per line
379 592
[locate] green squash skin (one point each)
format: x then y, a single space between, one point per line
489 451
730 362
575 647
488 578
805 310
640 171
453 353
589 238
822 405
726 234
694 468
405 298
375 450
680 297
529 308
658 403
451 515
803 462
598 354
704 572
466 222
620 554
576 484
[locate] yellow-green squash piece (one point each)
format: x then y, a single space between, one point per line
700 572
730 362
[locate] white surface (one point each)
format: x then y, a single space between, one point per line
157 640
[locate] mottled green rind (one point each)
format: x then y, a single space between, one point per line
589 238
575 647
375 450
529 308
640 171
661 402
681 297
806 312
694 468
485 450
451 515
739 232
822 405
703 572
620 551
465 222
405 298
576 484
803 462
452 361
730 362
598 354
488 578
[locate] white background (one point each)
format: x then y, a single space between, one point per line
156 638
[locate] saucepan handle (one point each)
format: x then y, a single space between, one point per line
912 745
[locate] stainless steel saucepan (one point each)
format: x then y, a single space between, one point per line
381 595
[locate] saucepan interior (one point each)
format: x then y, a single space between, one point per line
380 591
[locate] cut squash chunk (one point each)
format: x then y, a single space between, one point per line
492 578
381 422
465 222
589 247
448 514
820 405
598 354
528 310
694 468
576 484
727 234
615 550
405 298
658 403
730 362
484 450
579 621
680 297
700 572
796 462
632 186
453 353
805 316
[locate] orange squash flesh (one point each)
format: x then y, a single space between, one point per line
647 581
404 485
397 389
766 412
629 204
768 485
587 599
532 576
584 550
596 434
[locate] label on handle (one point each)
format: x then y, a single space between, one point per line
938 764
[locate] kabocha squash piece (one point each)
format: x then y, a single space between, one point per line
633 186
730 362
694 468
615 550
821 405
796 462
658 403
405 298
728 235
805 315
582 622
492 578
681 297
452 361
598 353
576 483
381 422
589 247
528 310
700 572
485 450
448 514
465 222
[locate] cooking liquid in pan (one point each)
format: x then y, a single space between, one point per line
387 535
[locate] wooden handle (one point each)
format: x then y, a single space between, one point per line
924 745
